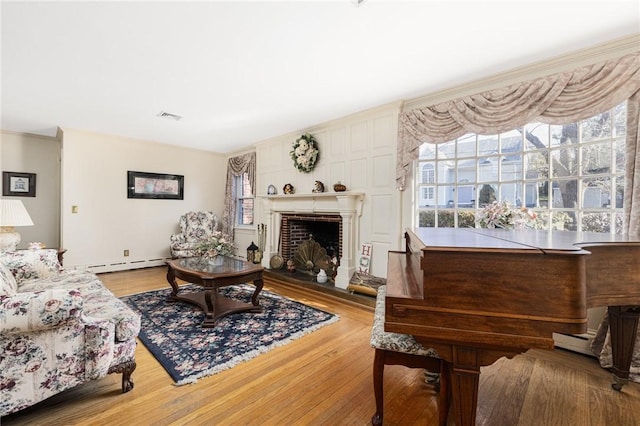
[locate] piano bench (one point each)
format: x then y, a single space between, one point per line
403 349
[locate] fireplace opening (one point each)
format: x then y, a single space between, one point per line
324 229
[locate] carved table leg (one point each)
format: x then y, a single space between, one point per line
254 298
171 277
623 323
210 297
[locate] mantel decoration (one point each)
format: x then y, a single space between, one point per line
218 244
502 215
305 153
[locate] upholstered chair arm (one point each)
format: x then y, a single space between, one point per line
39 310
100 343
177 239
31 264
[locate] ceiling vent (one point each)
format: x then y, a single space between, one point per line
168 115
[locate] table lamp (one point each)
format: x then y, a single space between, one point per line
12 213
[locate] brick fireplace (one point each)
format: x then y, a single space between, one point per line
325 229
319 212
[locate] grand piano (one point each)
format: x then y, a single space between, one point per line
476 295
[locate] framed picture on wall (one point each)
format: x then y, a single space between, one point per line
155 185
17 184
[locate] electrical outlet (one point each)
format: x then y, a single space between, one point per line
126 253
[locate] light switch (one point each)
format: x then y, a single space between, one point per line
74 209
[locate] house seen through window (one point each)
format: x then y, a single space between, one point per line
244 199
571 175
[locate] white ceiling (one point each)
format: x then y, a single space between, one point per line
241 72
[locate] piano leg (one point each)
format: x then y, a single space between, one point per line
623 323
465 377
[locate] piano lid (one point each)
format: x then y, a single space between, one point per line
462 239
557 240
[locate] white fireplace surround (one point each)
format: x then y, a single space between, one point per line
347 204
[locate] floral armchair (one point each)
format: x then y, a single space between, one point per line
58 329
195 227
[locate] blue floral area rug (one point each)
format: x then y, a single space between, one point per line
172 330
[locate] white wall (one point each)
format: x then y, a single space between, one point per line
359 151
94 178
40 155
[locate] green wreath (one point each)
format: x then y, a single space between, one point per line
305 153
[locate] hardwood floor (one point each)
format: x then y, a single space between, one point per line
324 378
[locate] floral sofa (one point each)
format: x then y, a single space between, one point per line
58 329
195 227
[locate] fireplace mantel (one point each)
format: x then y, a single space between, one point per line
346 204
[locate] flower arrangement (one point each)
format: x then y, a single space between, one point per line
305 153
218 244
502 215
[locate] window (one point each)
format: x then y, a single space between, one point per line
571 175
244 199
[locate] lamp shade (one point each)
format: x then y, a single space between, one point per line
13 213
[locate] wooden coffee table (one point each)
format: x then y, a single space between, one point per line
201 271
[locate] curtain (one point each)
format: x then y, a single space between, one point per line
237 166
556 99
631 202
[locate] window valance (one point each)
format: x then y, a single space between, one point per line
237 166
556 99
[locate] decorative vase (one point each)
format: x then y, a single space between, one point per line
339 187
322 276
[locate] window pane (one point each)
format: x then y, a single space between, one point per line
596 222
564 161
487 194
536 136
555 133
245 211
467 146
446 150
597 127
530 198
510 142
617 217
619 192
619 147
543 194
487 169
427 218
446 196
596 193
466 171
511 167
466 196
427 151
562 221
536 165
564 194
446 219
467 219
487 145
511 193
596 158
427 196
